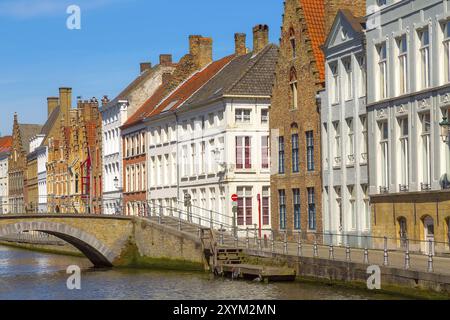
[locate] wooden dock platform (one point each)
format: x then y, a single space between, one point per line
252 272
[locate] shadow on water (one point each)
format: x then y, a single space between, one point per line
31 275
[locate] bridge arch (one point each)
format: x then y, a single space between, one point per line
97 252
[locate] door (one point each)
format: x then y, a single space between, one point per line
429 235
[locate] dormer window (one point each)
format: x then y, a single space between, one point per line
334 83
381 3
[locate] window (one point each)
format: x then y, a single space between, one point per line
337 143
326 143
352 205
193 160
185 162
426 159
404 153
203 157
265 152
310 151
294 93
348 79
295 154
447 51
281 155
366 207
363 120
282 204
296 203
244 206
264 116
363 76
243 115
266 206
424 49
337 192
382 67
293 44
402 65
351 142
334 83
243 153
311 209
384 151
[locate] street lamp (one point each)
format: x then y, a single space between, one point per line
445 128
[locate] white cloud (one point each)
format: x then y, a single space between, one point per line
26 9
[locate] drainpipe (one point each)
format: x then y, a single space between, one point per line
178 163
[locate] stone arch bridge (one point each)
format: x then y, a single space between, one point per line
115 240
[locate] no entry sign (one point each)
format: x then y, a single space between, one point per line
234 197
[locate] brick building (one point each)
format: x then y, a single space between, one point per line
74 160
296 187
17 164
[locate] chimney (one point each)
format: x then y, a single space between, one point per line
65 101
145 66
52 104
239 44
166 77
260 37
165 59
201 50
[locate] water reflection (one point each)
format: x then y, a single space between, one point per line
29 275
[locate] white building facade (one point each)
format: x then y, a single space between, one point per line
115 114
346 211
216 144
408 51
4 197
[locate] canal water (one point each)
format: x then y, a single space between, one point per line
26 275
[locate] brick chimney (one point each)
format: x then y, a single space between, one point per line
165 59
260 37
145 66
166 77
240 44
52 104
201 50
65 101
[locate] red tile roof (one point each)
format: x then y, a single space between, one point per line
5 143
158 103
314 12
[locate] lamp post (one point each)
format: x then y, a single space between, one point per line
119 203
445 129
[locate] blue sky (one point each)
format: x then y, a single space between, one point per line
38 54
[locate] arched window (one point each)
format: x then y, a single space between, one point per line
293 43
76 183
293 85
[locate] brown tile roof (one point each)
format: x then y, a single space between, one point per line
246 75
314 12
158 103
134 84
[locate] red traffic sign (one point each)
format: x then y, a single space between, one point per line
234 197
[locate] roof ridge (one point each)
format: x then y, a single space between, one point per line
210 79
258 58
